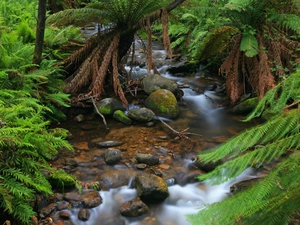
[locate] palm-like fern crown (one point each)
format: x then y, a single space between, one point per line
124 14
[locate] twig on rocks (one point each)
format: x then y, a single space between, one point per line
103 118
179 134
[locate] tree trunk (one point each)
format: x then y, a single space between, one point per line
40 30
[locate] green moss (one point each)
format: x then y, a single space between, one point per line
105 110
119 115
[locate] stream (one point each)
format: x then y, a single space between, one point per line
204 113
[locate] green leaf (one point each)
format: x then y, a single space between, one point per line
249 45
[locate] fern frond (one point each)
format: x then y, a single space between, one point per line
77 17
278 97
272 200
249 45
270 131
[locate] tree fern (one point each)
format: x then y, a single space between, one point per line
274 198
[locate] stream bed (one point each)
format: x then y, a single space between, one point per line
204 114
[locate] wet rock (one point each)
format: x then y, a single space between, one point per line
47 210
65 215
63 205
112 156
115 178
108 106
152 83
120 116
141 114
133 208
151 188
184 67
245 106
72 196
141 166
91 199
163 103
107 144
206 167
79 118
147 159
84 214
242 185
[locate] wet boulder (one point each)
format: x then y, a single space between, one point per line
141 114
84 214
47 210
245 106
91 199
152 83
151 188
115 178
112 156
147 159
108 106
133 208
163 103
120 116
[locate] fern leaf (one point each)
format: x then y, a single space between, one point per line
249 45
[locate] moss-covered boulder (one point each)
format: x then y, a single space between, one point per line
155 82
163 103
108 106
119 115
151 188
246 106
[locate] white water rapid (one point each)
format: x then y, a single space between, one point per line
182 200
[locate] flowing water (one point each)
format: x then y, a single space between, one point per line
205 113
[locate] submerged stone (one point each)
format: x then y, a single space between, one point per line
112 156
107 144
108 106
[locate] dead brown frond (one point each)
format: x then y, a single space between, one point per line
230 68
97 84
80 55
266 79
165 31
83 74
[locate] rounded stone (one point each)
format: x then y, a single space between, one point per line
163 103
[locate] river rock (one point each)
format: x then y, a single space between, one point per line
108 106
65 215
152 83
120 116
133 208
245 106
147 159
206 167
47 210
84 214
163 103
115 178
91 199
141 114
151 188
112 156
107 144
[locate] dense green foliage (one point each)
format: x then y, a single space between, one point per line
29 100
275 198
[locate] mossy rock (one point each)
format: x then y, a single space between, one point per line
246 106
163 103
108 106
151 83
120 116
